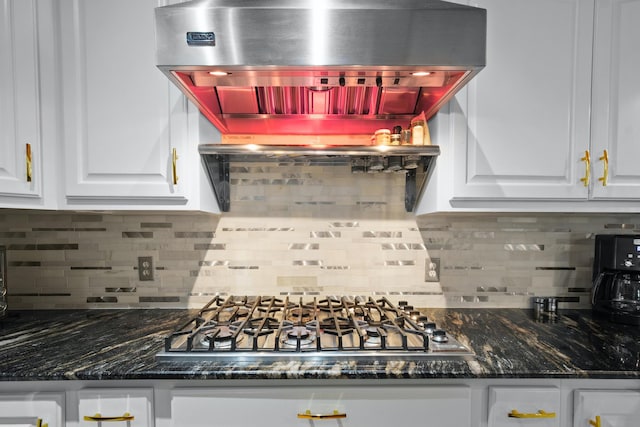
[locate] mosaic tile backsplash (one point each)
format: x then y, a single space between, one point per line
73 260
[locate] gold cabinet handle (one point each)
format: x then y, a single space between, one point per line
99 418
605 175
539 414
307 415
174 165
40 424
29 163
596 423
587 160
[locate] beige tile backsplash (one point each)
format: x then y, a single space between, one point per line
299 240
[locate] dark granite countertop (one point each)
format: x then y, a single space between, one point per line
121 344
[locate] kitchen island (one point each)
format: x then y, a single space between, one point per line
122 344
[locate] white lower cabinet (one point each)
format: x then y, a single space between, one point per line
440 406
289 403
130 407
520 406
32 409
606 408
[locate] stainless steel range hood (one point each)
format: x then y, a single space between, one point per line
319 67
323 68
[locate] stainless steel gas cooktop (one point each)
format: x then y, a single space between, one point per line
259 328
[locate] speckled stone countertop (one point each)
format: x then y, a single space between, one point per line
121 344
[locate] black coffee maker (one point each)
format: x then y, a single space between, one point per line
616 278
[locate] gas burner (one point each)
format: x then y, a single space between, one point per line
372 332
373 337
222 344
221 336
298 335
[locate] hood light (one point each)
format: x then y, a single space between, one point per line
218 73
421 73
382 148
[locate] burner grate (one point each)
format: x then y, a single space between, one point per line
271 328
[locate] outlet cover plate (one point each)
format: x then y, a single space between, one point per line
432 270
145 268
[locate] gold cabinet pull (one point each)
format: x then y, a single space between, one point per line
596 422
40 424
587 160
99 418
307 415
605 175
174 165
540 414
29 163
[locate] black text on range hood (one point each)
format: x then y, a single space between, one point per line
319 67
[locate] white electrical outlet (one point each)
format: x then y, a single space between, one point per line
145 268
432 270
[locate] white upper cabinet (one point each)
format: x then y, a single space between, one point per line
124 122
21 158
526 115
529 133
616 99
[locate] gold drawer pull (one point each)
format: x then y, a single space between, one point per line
596 423
307 415
29 163
539 414
39 423
174 165
98 418
605 173
587 173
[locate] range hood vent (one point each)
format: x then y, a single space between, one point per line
287 67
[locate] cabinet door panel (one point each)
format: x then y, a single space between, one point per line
527 402
616 98
19 99
26 409
122 116
616 408
373 407
527 112
137 403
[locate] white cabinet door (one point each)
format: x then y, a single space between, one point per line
606 408
27 408
616 99
524 406
20 130
129 407
332 407
526 115
122 117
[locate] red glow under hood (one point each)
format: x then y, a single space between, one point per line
318 103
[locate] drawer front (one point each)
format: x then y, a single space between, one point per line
524 406
610 408
27 409
339 407
126 407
